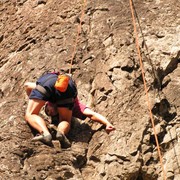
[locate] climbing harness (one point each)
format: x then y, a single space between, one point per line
145 88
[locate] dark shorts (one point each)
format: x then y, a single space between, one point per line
35 94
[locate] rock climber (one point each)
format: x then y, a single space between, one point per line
65 105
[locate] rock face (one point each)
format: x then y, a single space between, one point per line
37 35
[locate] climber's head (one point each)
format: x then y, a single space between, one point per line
50 109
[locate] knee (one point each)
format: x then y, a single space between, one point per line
68 123
64 127
64 124
27 116
26 85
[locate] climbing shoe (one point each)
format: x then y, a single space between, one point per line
46 139
65 143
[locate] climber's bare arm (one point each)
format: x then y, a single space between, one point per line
99 118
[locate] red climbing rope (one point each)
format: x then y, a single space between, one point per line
79 28
145 87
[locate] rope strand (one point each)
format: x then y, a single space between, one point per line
146 89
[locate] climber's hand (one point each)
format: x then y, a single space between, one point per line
109 128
